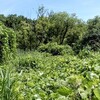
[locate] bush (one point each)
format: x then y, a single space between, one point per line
93 40
89 41
7 43
85 52
55 49
27 63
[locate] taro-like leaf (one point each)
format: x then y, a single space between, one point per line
97 93
64 91
97 68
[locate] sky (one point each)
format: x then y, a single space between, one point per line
84 9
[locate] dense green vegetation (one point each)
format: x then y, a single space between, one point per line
53 57
41 76
7 43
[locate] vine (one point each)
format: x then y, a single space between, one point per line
7 43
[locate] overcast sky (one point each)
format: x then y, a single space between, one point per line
84 9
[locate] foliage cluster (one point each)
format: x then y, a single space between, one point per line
7 43
60 27
64 77
55 49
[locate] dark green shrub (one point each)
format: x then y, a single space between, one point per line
55 49
7 43
85 52
90 40
93 40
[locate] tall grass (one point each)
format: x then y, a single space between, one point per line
6 83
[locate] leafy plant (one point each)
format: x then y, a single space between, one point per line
6 84
55 49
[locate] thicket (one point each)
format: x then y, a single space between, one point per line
7 43
35 75
55 49
92 37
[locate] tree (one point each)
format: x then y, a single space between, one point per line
76 33
42 29
92 38
94 25
66 28
41 12
23 35
2 18
59 27
12 21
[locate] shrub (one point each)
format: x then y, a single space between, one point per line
85 52
7 43
89 41
93 40
55 49
27 63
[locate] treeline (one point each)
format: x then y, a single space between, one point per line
50 27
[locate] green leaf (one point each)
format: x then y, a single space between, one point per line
64 91
97 93
97 68
83 93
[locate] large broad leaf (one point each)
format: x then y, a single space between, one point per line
64 91
97 68
83 93
97 92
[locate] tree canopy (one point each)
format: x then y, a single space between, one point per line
59 27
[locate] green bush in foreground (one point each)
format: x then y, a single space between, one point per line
59 77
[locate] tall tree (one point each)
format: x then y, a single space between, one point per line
23 35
